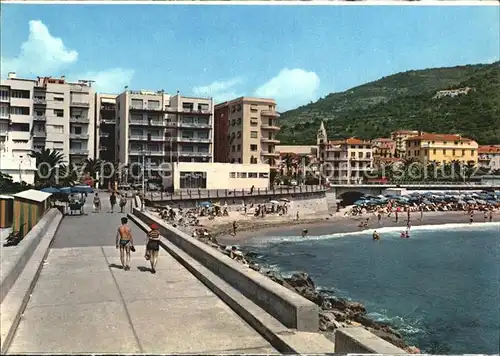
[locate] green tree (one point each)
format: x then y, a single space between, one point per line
48 162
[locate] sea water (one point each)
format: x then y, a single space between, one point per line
439 288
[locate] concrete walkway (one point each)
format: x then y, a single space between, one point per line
84 303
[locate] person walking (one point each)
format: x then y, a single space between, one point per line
97 203
123 202
153 246
124 242
112 201
491 215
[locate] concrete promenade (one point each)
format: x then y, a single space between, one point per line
84 302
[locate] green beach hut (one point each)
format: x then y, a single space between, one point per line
6 211
29 207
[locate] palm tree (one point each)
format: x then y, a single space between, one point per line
47 162
92 167
68 175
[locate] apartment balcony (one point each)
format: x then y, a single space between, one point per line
4 99
108 108
4 116
146 153
39 134
188 111
145 137
108 121
191 139
270 127
80 104
270 113
78 152
146 108
79 120
39 118
3 132
188 125
361 159
270 154
193 154
20 135
39 101
269 140
103 134
103 148
75 136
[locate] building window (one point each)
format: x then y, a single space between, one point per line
59 112
239 134
20 94
19 110
242 174
238 148
253 175
232 175
193 180
253 148
254 134
263 175
233 148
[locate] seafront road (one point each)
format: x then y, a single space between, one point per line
84 303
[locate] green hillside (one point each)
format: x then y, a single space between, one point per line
405 101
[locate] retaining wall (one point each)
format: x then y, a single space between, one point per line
288 307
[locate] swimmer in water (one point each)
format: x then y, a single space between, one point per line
304 232
375 235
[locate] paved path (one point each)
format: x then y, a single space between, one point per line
83 303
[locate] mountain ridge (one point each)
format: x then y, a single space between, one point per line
405 101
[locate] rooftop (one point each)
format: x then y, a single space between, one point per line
438 137
33 195
489 149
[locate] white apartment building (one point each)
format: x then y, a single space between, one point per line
159 127
46 113
346 161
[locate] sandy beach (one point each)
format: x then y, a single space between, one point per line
251 228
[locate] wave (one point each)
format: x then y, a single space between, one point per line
394 229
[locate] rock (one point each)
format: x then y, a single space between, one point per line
311 294
393 339
327 322
301 279
254 266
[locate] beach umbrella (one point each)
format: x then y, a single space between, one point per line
51 190
66 190
359 202
274 202
285 200
470 201
205 204
81 189
480 201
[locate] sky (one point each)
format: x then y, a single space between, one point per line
294 54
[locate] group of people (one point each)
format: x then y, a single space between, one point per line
125 243
113 200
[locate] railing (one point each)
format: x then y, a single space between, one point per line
80 103
192 125
78 151
78 136
146 152
191 139
39 101
108 121
207 194
274 154
103 148
193 154
269 127
269 113
269 140
409 184
4 116
39 118
188 111
146 108
4 99
82 120
39 134
4 132
108 107
103 134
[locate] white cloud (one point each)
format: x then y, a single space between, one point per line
220 90
291 88
108 81
43 54
40 53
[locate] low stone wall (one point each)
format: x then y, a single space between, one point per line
14 258
291 309
360 340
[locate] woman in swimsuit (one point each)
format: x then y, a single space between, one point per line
153 246
124 242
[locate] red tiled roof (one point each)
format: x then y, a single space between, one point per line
404 132
489 149
438 137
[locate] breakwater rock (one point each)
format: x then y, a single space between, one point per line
335 312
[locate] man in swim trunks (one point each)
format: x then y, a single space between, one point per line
153 246
124 242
